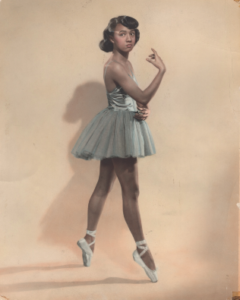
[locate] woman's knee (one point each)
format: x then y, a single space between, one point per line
102 190
131 192
104 185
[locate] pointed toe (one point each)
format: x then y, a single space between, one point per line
87 252
152 274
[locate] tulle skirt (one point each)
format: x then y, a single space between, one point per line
114 133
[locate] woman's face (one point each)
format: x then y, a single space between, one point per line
124 38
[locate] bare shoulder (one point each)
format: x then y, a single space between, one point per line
116 69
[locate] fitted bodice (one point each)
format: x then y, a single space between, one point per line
118 99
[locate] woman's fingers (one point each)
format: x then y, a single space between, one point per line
142 110
137 117
154 51
140 116
156 60
152 55
150 59
143 113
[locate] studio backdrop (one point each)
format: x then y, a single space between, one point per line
52 86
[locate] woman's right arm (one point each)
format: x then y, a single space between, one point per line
143 97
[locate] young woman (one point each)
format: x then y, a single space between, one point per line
118 135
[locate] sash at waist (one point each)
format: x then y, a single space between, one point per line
116 108
122 103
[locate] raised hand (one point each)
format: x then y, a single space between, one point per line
156 61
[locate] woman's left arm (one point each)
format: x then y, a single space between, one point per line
143 109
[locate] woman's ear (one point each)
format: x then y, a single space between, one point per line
111 40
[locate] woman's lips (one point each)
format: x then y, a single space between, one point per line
129 45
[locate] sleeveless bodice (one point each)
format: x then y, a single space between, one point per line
118 99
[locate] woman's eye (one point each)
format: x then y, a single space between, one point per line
122 34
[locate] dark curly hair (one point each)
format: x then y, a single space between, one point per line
129 22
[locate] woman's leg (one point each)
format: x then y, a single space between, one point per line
106 179
127 172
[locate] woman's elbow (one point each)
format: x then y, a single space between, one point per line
143 100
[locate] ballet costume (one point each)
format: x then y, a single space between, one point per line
114 132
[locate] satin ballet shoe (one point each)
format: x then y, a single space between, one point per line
87 253
152 274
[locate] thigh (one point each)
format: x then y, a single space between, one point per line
107 174
127 172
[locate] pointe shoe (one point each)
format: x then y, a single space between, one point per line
87 253
152 274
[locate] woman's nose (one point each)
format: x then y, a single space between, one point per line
129 37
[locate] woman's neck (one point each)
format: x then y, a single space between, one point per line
120 56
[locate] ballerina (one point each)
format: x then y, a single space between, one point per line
118 135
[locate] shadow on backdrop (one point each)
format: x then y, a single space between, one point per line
42 285
66 219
